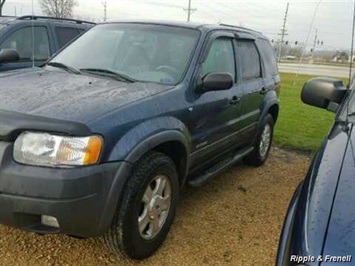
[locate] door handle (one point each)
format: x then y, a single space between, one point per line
234 100
263 91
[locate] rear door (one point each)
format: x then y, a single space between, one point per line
32 44
252 86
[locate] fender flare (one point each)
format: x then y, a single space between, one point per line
148 135
155 140
269 101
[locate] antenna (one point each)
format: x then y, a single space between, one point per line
307 39
33 39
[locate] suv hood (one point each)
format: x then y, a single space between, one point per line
55 93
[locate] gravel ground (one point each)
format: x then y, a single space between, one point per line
235 219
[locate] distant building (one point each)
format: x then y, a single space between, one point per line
290 57
343 57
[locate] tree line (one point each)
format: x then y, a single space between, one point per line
52 8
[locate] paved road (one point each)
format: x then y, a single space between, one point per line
316 70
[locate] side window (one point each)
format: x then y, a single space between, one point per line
220 58
268 57
249 60
21 41
65 35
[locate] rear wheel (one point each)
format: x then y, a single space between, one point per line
147 208
263 143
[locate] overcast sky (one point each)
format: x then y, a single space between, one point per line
333 18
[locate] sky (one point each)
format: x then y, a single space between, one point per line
332 19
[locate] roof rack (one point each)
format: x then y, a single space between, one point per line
242 28
53 18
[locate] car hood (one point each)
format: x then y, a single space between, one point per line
55 93
340 240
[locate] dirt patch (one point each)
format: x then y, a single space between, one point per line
235 219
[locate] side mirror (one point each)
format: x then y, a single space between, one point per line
325 93
9 55
216 82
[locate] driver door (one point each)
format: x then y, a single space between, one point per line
215 125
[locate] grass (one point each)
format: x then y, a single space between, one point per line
299 126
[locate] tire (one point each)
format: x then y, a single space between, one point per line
145 197
261 151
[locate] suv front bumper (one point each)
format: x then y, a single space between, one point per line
82 199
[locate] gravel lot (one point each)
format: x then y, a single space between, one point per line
235 219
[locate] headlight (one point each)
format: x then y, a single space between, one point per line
45 149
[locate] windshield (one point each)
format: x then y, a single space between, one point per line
151 53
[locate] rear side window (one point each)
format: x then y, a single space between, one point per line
249 60
268 57
65 35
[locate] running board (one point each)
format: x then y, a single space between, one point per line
210 173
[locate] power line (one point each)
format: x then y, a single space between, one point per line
222 13
160 4
189 9
254 5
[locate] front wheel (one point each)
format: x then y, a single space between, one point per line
147 208
262 143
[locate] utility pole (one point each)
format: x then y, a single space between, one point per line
314 44
283 32
189 11
105 10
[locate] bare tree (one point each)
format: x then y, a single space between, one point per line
58 8
2 2
296 51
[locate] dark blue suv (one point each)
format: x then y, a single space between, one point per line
99 140
319 228
31 40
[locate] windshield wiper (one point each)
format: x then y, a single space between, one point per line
108 73
63 66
